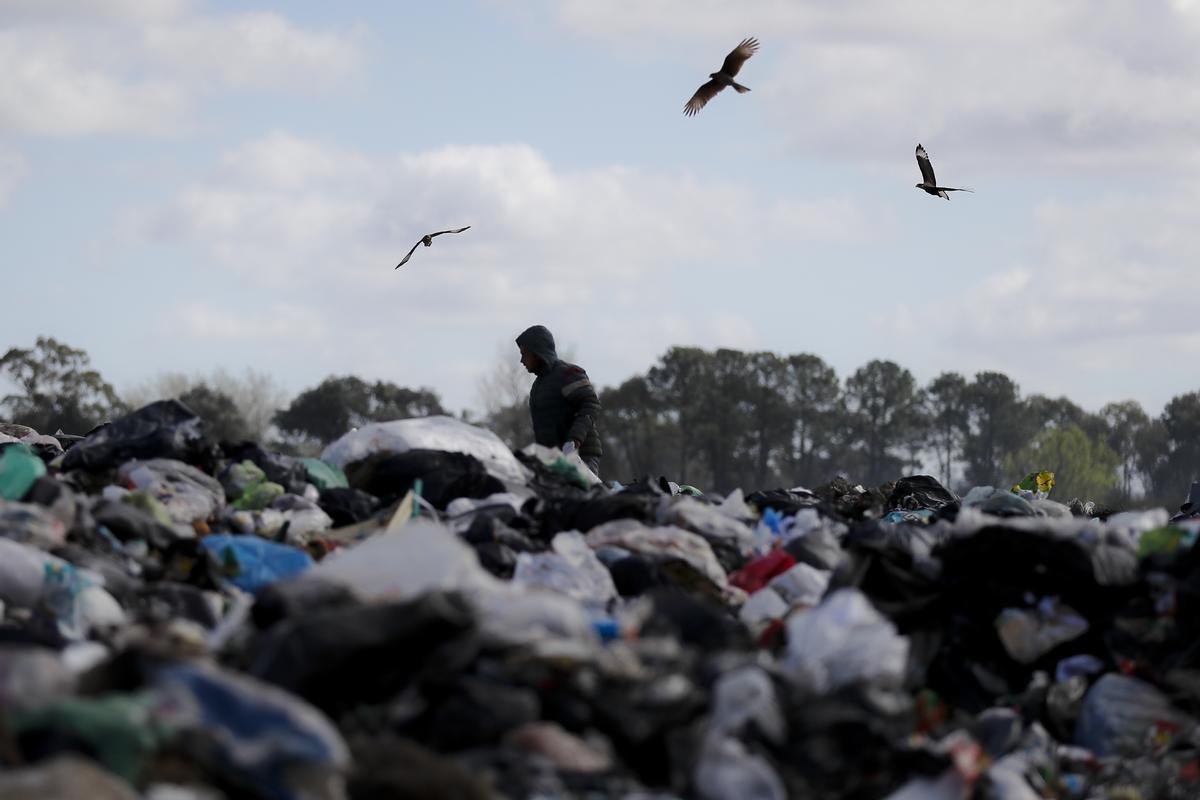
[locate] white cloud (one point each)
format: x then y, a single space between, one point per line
601 254
1025 84
1101 308
71 75
258 50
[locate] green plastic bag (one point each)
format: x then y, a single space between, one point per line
1165 540
1038 482
258 496
324 475
19 468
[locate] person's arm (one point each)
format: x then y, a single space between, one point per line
585 405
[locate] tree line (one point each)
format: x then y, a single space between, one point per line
716 419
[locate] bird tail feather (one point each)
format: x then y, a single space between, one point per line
740 89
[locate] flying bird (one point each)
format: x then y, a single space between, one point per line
426 240
723 77
928 182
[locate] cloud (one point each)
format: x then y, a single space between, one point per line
1024 85
540 233
603 253
1100 308
253 50
88 74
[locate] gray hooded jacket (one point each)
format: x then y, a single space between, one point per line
562 400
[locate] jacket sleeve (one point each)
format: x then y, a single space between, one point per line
583 402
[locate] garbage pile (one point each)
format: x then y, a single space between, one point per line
424 613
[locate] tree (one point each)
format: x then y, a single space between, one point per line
222 418
768 416
338 405
1173 475
1083 467
813 394
56 388
723 416
946 411
679 379
387 401
255 395
1125 421
884 415
997 427
504 395
638 440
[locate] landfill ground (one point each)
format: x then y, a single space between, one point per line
424 613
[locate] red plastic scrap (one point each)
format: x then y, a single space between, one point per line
758 572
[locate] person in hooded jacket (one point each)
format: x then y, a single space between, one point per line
562 401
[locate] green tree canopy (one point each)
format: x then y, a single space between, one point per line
1173 472
222 419
946 413
56 388
884 418
997 427
339 404
1083 467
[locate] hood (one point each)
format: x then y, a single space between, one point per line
539 341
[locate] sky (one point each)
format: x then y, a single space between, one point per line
187 185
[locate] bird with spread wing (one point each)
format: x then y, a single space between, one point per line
928 181
426 240
723 77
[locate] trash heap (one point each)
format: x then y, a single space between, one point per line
424 613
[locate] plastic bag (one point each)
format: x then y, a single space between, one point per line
663 544
19 468
708 521
31 677
747 695
801 585
1040 483
431 433
61 777
1118 713
165 429
1027 634
569 465
253 734
31 524
251 562
402 563
188 494
258 496
572 568
844 641
727 771
324 475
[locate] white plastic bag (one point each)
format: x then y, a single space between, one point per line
187 493
572 568
844 641
428 433
419 557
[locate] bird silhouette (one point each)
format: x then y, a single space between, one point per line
723 77
928 181
426 240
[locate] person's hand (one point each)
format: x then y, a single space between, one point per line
569 447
